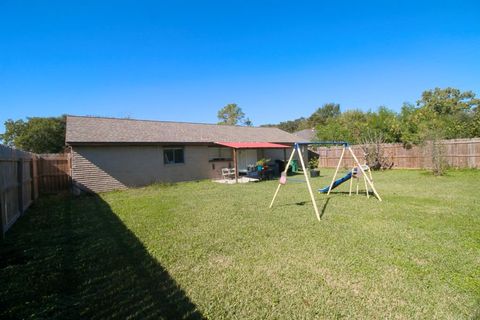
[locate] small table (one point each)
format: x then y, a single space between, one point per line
242 172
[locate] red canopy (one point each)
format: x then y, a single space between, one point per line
253 145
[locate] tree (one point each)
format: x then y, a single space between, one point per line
355 121
384 123
439 114
451 109
476 123
409 125
232 115
39 135
448 101
248 122
349 126
333 130
290 125
375 154
322 114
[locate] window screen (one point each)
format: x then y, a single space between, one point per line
173 155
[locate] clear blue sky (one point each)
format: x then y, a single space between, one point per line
183 60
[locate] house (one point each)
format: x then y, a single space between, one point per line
307 134
109 153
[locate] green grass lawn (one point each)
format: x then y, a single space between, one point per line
201 249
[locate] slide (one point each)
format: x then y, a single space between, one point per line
338 182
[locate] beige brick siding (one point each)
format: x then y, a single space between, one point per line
106 168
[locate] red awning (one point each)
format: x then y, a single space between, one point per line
253 145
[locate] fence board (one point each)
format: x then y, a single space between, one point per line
14 192
23 176
459 153
54 172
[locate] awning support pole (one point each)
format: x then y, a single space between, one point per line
235 164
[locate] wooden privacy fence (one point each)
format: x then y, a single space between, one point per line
53 172
23 176
458 153
18 186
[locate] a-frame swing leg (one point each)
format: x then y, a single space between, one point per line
284 172
306 177
371 179
364 174
336 171
308 185
351 183
366 187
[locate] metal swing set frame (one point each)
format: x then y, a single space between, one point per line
346 146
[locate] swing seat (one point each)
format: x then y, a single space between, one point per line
283 179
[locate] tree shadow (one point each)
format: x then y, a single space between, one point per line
78 260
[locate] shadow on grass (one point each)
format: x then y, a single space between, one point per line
302 203
446 174
324 207
73 258
360 193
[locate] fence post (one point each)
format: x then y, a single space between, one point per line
20 184
2 213
34 173
70 170
32 182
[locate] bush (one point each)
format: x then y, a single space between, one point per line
375 155
313 163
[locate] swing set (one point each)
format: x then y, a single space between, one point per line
356 172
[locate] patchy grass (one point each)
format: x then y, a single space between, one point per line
202 249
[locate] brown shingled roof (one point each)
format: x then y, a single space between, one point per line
307 134
111 130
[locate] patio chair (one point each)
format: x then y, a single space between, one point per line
228 173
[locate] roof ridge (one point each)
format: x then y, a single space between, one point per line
167 121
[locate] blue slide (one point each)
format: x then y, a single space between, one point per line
347 177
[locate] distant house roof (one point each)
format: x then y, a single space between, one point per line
307 134
94 130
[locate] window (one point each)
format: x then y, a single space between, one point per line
173 155
215 153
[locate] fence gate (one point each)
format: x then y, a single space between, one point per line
54 172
